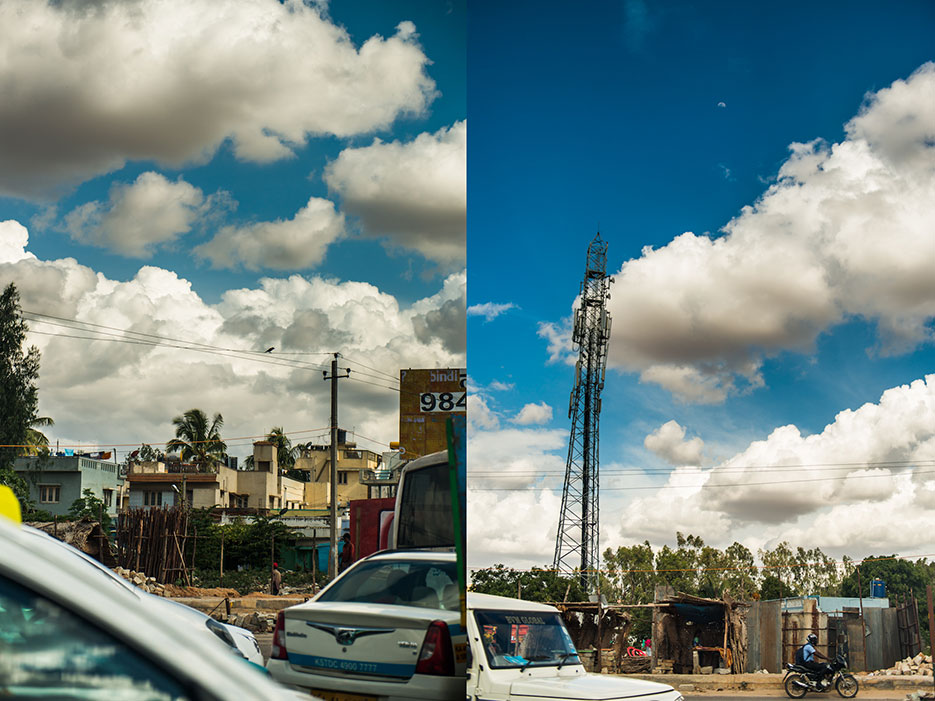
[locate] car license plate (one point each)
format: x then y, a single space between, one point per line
340 696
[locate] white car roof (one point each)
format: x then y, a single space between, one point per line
172 645
413 555
476 600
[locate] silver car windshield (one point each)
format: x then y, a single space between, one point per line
524 638
425 584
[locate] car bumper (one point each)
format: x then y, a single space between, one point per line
419 687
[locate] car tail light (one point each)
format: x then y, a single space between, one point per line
279 639
436 656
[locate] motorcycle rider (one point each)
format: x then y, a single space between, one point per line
808 654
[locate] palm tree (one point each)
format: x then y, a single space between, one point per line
36 440
196 441
285 452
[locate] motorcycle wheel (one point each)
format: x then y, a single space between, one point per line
846 686
796 686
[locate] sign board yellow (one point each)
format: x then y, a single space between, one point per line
426 399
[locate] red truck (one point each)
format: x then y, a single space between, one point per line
371 522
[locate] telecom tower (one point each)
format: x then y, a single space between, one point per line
576 544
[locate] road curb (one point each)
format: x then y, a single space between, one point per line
772 682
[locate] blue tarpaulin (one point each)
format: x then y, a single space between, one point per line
699 614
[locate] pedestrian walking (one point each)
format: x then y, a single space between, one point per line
275 581
347 553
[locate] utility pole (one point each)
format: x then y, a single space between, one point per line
333 555
576 543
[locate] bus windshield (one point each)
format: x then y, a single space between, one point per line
425 516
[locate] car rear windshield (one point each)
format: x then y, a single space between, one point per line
426 584
524 638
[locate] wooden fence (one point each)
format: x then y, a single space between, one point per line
156 542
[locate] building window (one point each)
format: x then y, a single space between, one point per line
353 454
238 501
151 498
342 478
108 498
49 493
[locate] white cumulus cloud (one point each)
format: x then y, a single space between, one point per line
668 442
140 217
845 232
304 318
490 310
540 413
89 86
414 193
283 244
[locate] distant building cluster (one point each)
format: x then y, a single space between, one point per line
56 481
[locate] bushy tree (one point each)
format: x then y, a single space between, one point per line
197 440
901 577
534 585
19 395
90 506
246 542
285 451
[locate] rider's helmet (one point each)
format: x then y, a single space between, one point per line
812 638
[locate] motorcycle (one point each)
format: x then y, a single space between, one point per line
800 680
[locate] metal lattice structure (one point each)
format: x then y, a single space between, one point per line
576 544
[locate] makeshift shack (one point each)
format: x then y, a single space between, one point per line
595 627
870 634
695 635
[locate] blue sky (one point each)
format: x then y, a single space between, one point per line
240 175
649 120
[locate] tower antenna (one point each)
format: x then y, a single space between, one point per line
576 543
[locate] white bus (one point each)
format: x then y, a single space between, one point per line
423 516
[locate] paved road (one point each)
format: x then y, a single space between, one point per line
876 695
265 641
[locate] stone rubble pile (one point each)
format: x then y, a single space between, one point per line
920 664
147 584
255 621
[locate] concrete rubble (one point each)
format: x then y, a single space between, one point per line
147 584
920 664
255 622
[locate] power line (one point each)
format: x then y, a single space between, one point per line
698 486
389 375
731 469
110 334
154 336
298 365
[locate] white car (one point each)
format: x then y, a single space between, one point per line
67 633
522 650
389 627
238 640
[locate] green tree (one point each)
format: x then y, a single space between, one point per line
146 453
37 443
89 506
198 441
677 567
901 577
535 585
285 452
19 395
630 578
741 579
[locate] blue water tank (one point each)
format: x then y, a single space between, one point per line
877 589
